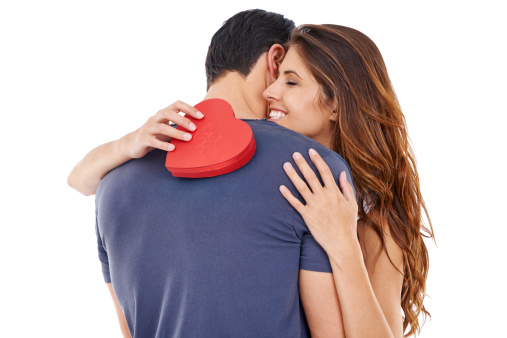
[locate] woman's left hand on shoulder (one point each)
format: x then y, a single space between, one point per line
330 214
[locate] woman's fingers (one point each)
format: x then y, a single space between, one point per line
296 204
156 143
347 190
183 107
300 185
170 114
307 172
323 168
164 129
157 131
167 117
187 109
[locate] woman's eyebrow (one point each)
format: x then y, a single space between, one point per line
291 72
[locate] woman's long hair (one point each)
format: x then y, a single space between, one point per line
371 135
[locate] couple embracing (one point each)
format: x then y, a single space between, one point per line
319 234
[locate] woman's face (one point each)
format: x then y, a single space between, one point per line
293 101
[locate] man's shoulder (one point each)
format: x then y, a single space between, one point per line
277 137
135 172
265 128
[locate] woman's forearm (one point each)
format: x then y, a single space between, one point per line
154 133
362 314
87 174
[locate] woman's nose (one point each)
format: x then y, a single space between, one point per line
270 93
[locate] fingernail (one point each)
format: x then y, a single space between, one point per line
170 147
199 115
296 156
192 126
287 166
187 137
283 188
345 174
312 152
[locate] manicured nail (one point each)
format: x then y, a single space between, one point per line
191 126
187 137
296 155
283 188
199 115
287 166
312 152
170 147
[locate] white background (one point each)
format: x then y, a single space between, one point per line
75 74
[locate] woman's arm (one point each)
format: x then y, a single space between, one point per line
321 304
367 286
371 298
119 313
155 133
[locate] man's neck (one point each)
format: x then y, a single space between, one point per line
234 89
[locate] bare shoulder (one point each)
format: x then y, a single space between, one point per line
373 252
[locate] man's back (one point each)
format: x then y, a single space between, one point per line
214 257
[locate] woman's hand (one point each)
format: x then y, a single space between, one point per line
331 216
156 132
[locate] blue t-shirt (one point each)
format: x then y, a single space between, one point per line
210 257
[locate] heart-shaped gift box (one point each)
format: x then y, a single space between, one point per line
220 144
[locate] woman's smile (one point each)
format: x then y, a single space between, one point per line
276 114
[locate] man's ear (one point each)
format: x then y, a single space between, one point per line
275 57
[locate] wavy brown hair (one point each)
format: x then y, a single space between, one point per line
371 135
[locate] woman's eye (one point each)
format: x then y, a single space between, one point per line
290 83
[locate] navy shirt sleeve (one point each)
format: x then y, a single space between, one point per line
313 257
104 261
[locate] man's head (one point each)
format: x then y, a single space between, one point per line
242 39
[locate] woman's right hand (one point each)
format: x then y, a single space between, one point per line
156 131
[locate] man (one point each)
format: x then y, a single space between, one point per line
220 256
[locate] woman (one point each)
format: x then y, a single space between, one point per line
368 130
337 74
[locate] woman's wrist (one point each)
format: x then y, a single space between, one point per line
346 254
123 145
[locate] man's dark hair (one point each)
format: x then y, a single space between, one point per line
241 40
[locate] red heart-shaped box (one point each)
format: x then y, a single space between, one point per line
220 144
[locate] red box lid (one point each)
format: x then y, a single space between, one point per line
220 144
